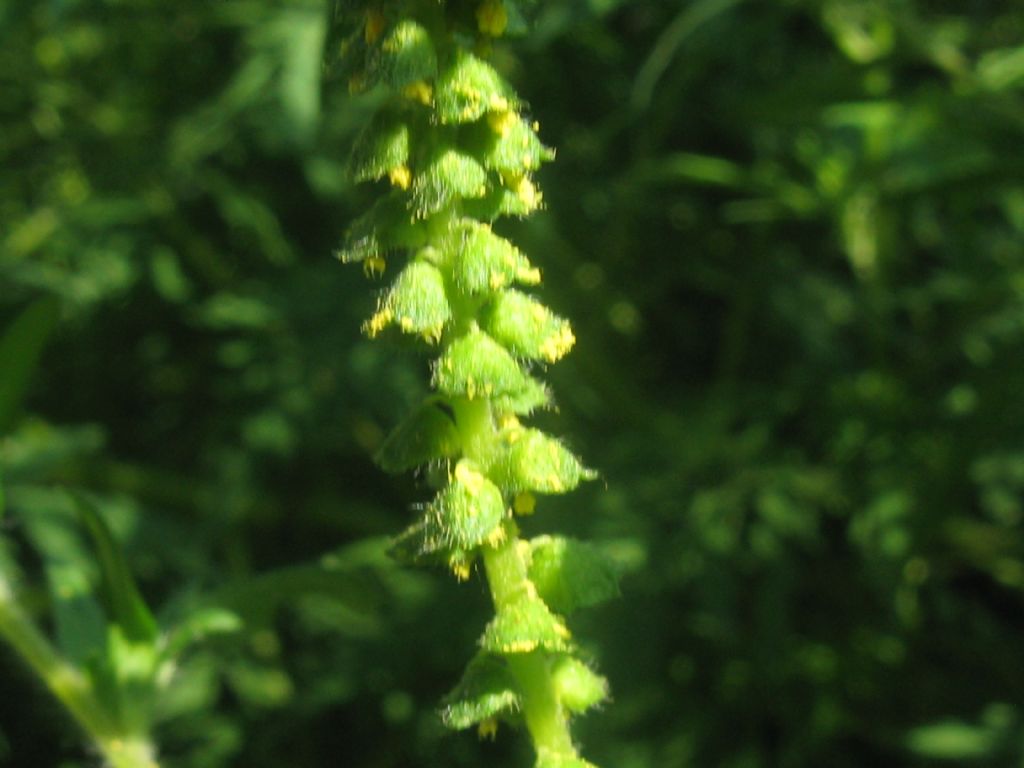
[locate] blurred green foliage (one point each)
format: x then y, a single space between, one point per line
791 239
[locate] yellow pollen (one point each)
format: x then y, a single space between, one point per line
378 322
419 91
524 503
374 266
501 122
375 22
400 176
488 729
492 18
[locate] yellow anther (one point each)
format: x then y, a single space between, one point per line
375 23
405 323
469 477
496 537
508 421
374 266
524 503
527 192
378 322
356 84
461 571
419 91
488 729
501 122
400 176
556 346
492 18
530 276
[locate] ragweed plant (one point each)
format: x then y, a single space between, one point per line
455 152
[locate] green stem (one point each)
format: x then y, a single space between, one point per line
70 688
507 579
545 718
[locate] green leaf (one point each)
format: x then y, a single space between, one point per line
199 625
534 461
579 688
524 626
475 366
570 574
548 759
482 261
427 434
449 176
487 689
20 349
385 227
406 55
125 605
527 327
381 147
417 302
469 88
952 740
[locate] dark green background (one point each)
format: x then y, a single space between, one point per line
790 236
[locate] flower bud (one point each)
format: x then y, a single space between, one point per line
406 55
468 89
416 303
382 147
475 365
533 461
449 176
524 626
527 327
482 261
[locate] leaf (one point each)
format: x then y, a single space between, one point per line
475 366
49 524
256 598
524 626
548 759
468 89
20 349
199 625
385 227
952 740
417 302
534 461
482 261
426 435
125 605
570 574
579 687
527 327
406 55
487 689
381 147
449 176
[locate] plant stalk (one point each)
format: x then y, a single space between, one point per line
507 580
70 688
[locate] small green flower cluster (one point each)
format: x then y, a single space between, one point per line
455 152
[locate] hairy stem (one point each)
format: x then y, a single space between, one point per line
545 718
507 580
70 688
